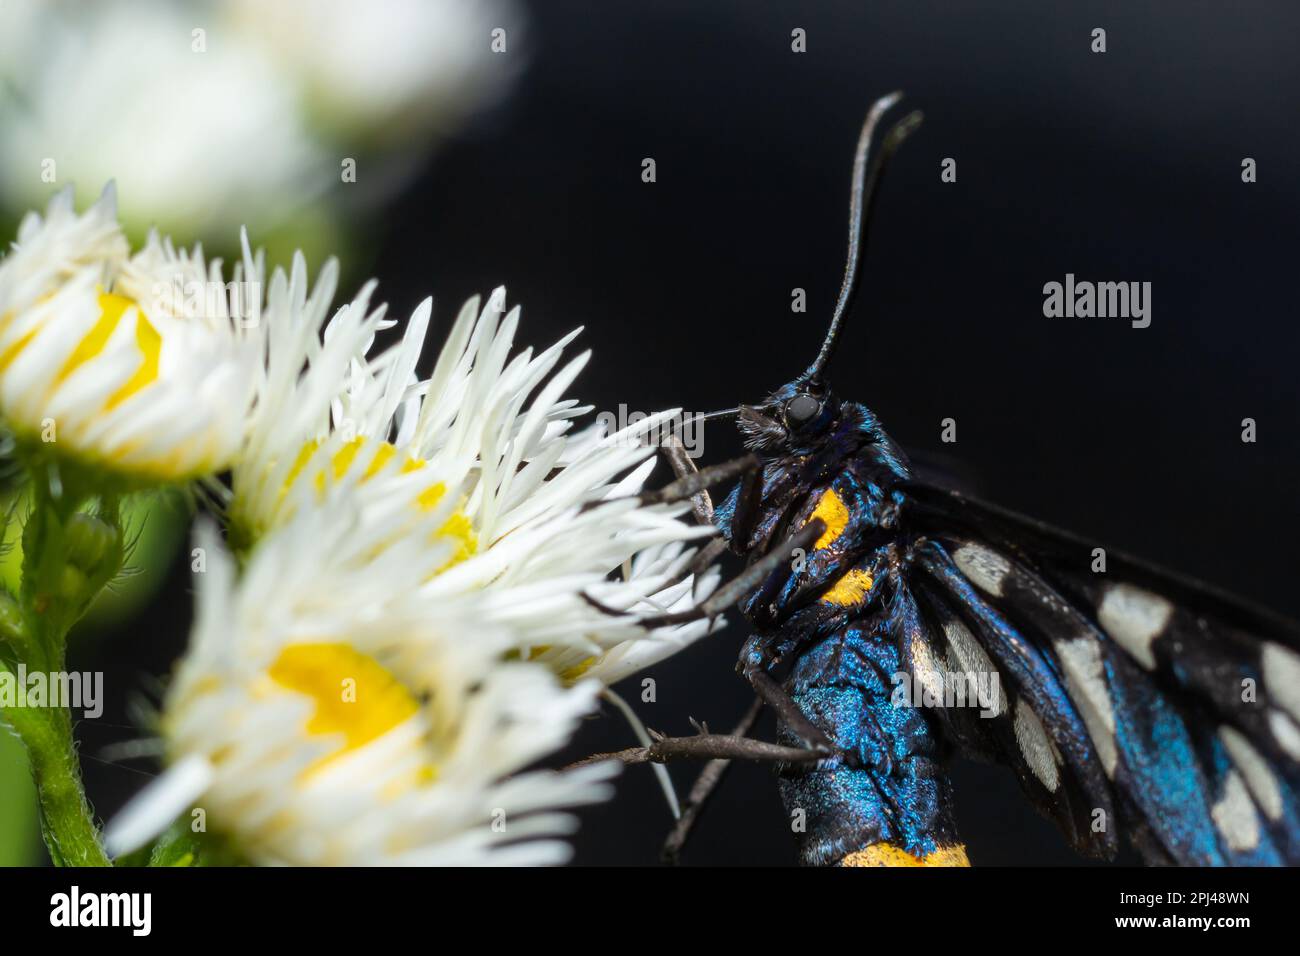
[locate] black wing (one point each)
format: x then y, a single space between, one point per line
1133 696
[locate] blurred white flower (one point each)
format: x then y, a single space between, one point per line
213 115
200 141
388 68
315 726
136 365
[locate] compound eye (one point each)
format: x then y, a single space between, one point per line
802 409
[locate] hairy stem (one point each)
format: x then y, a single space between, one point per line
67 822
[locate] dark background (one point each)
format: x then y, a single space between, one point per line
1122 166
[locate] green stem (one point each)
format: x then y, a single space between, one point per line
68 557
67 822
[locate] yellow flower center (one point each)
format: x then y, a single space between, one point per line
458 529
356 697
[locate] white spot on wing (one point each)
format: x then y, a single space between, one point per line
1285 732
925 669
1085 680
1036 746
985 568
1282 676
1134 619
971 659
1255 769
1235 814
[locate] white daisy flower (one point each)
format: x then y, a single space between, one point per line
485 436
314 727
138 365
611 660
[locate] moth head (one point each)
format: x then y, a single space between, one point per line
791 419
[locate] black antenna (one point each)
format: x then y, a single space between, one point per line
865 181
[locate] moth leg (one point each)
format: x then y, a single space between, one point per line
775 696
708 554
697 481
760 654
734 590
683 466
708 747
705 784
748 500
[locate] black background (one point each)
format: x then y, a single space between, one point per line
1122 166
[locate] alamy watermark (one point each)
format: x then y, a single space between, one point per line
71 689
688 428
1103 300
189 298
949 689
133 911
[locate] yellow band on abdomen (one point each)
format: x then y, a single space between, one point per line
886 854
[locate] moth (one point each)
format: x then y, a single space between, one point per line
1131 703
